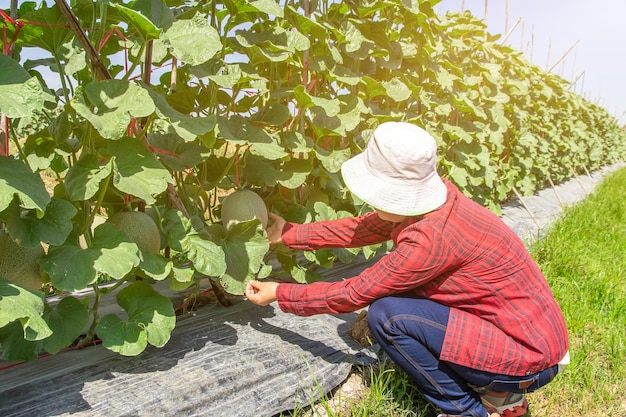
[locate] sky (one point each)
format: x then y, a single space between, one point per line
594 33
591 35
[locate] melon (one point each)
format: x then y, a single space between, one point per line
140 228
241 206
18 264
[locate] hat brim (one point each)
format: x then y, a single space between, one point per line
403 198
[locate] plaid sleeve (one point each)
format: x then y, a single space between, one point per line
350 232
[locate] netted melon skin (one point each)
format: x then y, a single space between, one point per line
18 264
241 206
140 228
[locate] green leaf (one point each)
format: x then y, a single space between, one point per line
207 256
20 95
27 307
67 322
53 228
137 171
271 7
330 106
187 127
237 129
83 179
17 179
181 278
245 245
175 153
291 174
150 319
396 89
184 38
50 36
115 102
15 348
155 266
332 160
142 25
72 268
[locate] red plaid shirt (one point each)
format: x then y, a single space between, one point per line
503 316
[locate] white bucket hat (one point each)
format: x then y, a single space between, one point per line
397 172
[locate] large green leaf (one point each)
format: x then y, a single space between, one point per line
114 103
291 174
67 321
207 256
137 171
150 319
17 179
53 228
245 246
396 89
15 348
187 127
144 27
192 40
72 268
332 160
25 306
177 154
84 178
49 36
330 106
20 94
238 130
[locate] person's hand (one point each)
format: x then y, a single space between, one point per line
261 293
275 230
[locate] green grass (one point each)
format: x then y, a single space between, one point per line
584 259
583 256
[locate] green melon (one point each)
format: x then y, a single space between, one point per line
140 228
241 206
18 264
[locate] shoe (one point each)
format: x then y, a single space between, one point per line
507 404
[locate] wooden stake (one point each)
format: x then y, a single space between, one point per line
102 73
555 193
506 17
511 31
486 10
563 56
532 216
577 179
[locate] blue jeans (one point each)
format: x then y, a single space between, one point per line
411 332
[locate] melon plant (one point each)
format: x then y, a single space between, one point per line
241 206
140 228
18 264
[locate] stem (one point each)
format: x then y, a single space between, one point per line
92 215
135 62
94 313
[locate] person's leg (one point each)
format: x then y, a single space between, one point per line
411 332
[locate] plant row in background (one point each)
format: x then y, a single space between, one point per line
165 107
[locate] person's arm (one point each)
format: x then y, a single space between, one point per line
411 265
350 232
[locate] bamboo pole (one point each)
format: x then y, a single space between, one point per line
554 189
532 216
563 56
102 73
573 83
506 17
486 11
510 31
